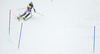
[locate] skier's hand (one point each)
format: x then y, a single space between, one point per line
34 11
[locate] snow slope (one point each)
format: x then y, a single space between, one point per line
67 27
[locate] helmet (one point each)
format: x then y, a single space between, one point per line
29 6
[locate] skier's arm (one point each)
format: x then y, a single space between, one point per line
34 10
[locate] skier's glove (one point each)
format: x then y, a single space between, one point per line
34 11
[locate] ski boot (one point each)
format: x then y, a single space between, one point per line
18 18
24 18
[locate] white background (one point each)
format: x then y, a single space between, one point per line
67 27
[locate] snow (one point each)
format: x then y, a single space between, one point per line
67 27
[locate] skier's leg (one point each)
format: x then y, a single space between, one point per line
26 16
23 14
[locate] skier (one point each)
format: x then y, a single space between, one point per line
27 12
